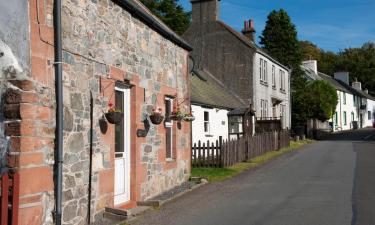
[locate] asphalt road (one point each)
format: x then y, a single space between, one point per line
331 182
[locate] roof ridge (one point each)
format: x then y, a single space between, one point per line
249 43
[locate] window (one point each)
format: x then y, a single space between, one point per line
336 118
369 115
169 127
265 78
273 77
119 128
345 121
235 124
344 98
352 116
282 80
261 69
206 122
263 108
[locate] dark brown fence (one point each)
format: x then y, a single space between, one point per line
267 125
9 198
228 153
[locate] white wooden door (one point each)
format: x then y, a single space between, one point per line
122 148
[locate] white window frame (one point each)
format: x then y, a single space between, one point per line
260 69
265 78
206 122
273 76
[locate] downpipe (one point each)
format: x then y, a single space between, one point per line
59 112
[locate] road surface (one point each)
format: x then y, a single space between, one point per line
330 182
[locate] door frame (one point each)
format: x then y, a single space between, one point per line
123 198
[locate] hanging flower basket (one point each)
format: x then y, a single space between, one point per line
177 117
156 118
114 117
189 118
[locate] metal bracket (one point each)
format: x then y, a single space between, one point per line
143 133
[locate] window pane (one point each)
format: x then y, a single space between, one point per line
119 128
206 116
168 107
169 142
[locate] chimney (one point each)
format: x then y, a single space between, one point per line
204 11
357 85
366 91
342 76
249 30
311 64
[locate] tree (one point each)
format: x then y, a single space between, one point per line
279 39
360 62
171 13
322 100
317 100
327 60
310 51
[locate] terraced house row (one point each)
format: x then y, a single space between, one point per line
355 108
102 102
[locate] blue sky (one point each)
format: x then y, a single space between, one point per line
331 24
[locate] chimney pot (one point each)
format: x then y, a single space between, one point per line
249 30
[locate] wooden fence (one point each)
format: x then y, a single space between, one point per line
9 198
228 153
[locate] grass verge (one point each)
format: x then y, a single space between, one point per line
219 174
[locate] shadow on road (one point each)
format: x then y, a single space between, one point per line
366 134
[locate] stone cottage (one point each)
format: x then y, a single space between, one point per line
113 53
235 59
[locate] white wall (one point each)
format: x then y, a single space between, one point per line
370 108
350 107
265 91
218 124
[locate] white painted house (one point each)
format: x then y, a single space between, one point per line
272 89
211 102
355 107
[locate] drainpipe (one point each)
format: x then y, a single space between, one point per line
59 111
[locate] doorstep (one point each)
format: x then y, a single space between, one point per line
159 200
173 193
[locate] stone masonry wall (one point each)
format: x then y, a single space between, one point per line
103 43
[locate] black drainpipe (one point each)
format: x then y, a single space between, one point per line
91 152
59 111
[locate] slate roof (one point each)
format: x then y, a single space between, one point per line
342 86
249 43
138 10
335 83
310 74
208 91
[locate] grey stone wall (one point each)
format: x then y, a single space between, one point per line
99 36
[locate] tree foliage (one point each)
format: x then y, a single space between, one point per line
171 13
279 38
317 101
360 62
